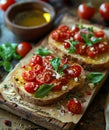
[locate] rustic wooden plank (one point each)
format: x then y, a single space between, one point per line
36 118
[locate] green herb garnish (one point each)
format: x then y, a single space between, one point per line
72 45
95 77
7 53
43 51
55 63
43 90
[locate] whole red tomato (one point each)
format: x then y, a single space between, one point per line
23 48
4 4
104 11
86 11
74 106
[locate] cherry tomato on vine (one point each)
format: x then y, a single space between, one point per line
4 4
104 11
23 48
86 11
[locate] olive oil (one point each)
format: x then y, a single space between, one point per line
32 18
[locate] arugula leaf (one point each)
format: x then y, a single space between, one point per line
95 77
55 63
43 51
43 90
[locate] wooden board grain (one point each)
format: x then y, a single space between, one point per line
37 118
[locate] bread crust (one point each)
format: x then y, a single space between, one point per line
98 63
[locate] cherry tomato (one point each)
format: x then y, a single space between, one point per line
103 47
44 77
74 106
75 29
104 11
36 59
92 51
4 4
38 68
63 28
23 48
80 48
29 75
57 88
99 33
31 87
73 71
66 45
78 37
86 11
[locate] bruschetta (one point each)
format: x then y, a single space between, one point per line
85 44
46 78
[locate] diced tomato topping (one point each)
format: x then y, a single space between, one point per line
29 75
57 88
75 29
74 106
31 87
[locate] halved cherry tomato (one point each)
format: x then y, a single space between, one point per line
44 77
63 28
23 48
80 48
31 87
92 51
86 11
4 4
29 75
78 37
104 11
57 88
103 47
99 33
66 45
74 106
38 68
36 59
73 71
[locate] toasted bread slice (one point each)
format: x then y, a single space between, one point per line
98 63
52 96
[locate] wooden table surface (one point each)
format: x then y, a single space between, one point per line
93 119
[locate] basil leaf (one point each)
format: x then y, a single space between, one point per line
95 77
63 68
55 63
95 40
43 90
7 66
43 51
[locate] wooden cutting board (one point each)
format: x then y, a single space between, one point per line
40 118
